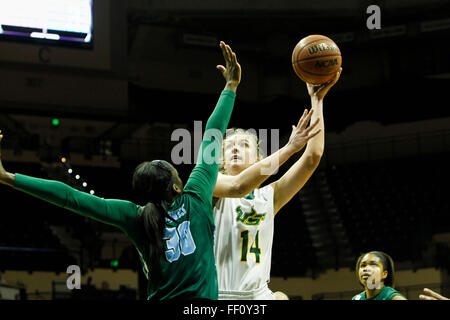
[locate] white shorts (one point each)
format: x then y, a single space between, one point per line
262 293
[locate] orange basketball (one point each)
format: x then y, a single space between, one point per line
316 59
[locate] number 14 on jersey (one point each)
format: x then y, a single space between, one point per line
255 249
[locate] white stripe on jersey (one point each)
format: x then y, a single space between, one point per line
243 240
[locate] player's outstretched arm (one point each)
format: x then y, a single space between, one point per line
296 177
204 176
5 177
431 295
240 185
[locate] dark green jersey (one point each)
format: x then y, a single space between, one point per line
188 268
386 293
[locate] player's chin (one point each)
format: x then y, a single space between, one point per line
233 166
363 280
236 163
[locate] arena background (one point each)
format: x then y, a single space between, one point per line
381 185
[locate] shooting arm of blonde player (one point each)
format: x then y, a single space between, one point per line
242 184
296 177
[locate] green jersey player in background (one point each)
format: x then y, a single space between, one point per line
375 272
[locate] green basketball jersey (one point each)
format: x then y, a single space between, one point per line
188 268
386 293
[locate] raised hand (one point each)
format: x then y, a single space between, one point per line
301 134
319 91
232 70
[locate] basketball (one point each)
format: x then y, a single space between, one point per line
316 59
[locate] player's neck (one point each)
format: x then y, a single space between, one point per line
370 293
234 170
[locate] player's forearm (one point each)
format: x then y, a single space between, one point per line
214 131
315 147
8 179
204 175
258 173
221 115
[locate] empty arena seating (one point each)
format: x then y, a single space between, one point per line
392 205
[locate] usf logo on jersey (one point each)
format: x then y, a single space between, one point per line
249 218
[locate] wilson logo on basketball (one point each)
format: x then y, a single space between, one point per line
326 64
321 47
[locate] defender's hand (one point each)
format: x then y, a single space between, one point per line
232 70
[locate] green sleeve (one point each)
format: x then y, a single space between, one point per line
118 213
204 175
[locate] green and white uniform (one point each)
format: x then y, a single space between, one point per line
243 245
386 293
188 269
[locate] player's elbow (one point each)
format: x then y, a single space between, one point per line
313 159
317 156
240 190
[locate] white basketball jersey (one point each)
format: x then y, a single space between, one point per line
243 240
